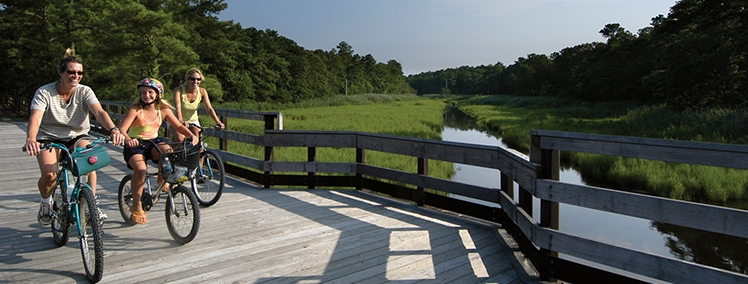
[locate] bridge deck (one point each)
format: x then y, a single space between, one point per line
253 235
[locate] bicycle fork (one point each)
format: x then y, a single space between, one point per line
176 211
75 208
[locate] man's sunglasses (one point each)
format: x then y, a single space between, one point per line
71 72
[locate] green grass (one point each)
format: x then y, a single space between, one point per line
513 117
400 115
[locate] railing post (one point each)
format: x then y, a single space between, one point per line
550 167
269 152
525 200
311 157
223 143
423 169
119 111
360 159
507 186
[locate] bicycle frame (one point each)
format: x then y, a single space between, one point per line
156 197
70 202
183 222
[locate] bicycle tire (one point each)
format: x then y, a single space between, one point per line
211 179
60 225
124 199
91 236
182 222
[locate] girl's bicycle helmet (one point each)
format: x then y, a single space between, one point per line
153 83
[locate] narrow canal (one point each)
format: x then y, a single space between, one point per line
635 233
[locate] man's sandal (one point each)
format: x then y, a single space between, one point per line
139 217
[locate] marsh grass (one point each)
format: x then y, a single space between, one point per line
363 99
514 117
400 115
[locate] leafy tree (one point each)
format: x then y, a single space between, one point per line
694 57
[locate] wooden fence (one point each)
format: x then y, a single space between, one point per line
536 176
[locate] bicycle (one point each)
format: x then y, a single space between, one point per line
67 209
210 181
181 211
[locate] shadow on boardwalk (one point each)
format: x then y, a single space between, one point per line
253 235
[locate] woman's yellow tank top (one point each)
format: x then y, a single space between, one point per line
189 109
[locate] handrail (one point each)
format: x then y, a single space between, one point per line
536 176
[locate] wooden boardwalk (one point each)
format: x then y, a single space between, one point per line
253 235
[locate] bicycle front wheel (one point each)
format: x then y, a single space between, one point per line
60 224
182 215
211 178
91 235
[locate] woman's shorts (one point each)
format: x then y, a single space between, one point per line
70 143
169 126
144 149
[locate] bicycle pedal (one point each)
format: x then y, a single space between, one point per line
146 201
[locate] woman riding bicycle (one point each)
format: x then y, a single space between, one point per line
187 98
59 113
142 122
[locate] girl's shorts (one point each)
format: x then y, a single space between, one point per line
144 149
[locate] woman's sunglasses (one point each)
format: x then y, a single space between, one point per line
196 79
71 72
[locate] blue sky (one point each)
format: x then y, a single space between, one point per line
430 35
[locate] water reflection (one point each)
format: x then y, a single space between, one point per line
635 233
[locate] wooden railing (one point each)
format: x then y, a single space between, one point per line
536 176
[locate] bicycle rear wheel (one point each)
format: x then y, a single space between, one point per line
211 178
124 199
182 215
91 235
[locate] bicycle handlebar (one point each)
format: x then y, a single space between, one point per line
66 149
214 126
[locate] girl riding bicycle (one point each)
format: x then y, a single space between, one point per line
142 122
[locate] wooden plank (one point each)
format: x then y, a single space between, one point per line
296 138
705 217
477 192
457 152
315 167
242 160
699 153
522 219
642 263
235 136
517 166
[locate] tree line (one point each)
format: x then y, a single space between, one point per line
122 41
694 57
